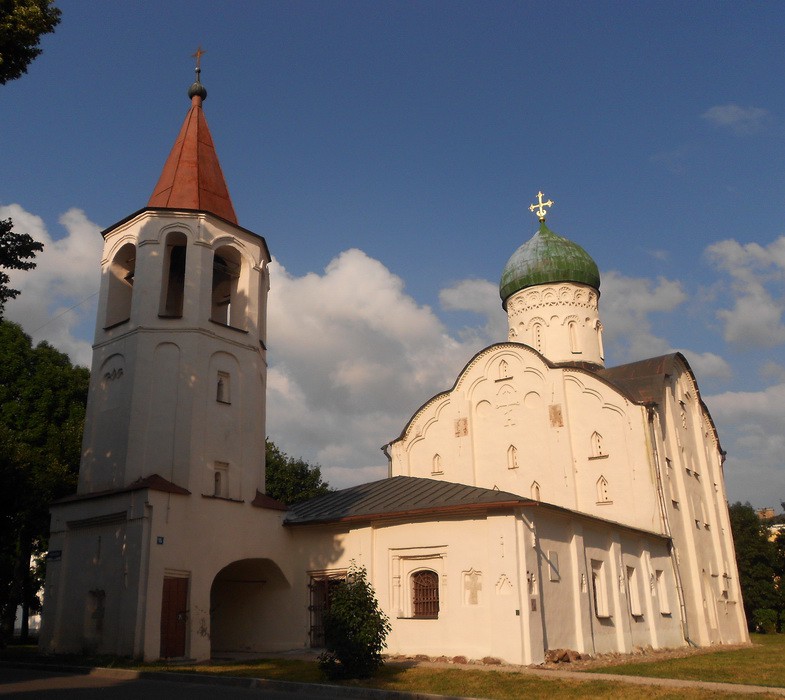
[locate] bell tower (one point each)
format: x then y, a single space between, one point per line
172 477
178 376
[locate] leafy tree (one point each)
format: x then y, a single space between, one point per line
355 629
291 480
755 556
22 22
42 408
16 253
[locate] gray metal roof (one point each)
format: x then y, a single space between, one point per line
399 496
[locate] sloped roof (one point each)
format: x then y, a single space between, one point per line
399 496
642 381
153 482
192 177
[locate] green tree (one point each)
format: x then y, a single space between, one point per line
291 480
355 629
755 557
16 253
22 23
42 409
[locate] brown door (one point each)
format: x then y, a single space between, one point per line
174 615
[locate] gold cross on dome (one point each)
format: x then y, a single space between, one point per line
198 56
539 207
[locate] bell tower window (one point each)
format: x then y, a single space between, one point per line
227 303
121 285
173 282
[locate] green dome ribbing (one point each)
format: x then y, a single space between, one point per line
546 258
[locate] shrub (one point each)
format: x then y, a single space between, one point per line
355 629
765 620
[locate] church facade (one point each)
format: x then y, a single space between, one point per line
543 501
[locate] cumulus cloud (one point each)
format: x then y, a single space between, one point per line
67 274
754 315
352 356
752 429
627 303
740 120
479 297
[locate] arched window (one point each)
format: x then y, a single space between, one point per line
425 594
602 490
436 464
597 449
227 303
538 340
173 281
599 340
121 285
572 328
512 457
503 369
535 491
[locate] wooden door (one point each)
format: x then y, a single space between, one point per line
174 616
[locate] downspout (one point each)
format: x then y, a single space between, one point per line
667 527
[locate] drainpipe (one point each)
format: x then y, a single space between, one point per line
666 525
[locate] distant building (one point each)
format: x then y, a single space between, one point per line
765 513
542 501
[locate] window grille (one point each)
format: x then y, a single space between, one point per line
425 594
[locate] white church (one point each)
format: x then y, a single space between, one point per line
543 501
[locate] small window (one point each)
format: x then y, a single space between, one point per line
425 594
599 589
572 328
503 370
436 465
221 480
602 490
597 446
223 388
537 338
662 592
636 610
535 491
512 457
553 565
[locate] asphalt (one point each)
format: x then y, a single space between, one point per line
324 690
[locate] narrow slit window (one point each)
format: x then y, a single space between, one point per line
223 388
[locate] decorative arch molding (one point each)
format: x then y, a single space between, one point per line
574 378
178 227
116 245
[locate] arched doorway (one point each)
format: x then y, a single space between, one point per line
246 603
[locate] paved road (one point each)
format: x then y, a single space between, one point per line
32 684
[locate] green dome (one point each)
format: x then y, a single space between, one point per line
545 258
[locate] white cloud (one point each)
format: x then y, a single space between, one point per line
626 303
67 273
351 358
752 430
480 297
740 120
754 317
708 364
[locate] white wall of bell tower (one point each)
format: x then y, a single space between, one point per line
179 359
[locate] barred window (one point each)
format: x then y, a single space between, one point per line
425 594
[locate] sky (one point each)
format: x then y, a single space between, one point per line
388 152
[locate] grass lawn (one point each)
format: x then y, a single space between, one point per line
761 664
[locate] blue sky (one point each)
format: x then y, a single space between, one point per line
388 152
